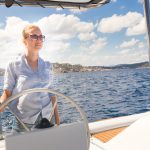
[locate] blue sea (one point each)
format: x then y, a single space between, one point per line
102 94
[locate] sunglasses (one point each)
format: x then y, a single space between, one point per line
36 37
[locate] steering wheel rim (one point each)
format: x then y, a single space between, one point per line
52 111
66 98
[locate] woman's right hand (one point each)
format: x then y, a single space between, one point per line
4 96
1 110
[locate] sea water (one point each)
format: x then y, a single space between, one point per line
101 94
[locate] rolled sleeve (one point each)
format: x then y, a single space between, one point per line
9 78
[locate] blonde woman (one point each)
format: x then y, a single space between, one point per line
30 71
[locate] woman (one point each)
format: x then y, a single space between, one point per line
30 71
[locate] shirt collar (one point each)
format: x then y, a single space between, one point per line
28 66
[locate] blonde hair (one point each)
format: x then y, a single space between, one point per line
27 28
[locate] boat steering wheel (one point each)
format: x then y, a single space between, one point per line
65 98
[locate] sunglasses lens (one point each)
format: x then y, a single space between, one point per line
36 37
42 37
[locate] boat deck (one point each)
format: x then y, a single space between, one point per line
105 136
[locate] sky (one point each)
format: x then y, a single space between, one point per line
105 36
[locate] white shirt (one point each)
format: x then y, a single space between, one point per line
18 77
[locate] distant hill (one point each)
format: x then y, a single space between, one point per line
66 67
130 66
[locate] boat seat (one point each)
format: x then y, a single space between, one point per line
64 137
135 137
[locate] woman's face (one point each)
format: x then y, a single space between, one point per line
34 39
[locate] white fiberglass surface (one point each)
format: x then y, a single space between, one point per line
2 145
74 1
78 1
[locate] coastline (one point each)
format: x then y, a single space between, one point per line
67 68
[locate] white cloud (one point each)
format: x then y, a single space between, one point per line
56 46
14 25
82 58
58 35
78 11
128 44
126 57
141 45
60 44
66 28
138 29
55 29
117 22
124 51
10 39
84 27
87 36
59 9
97 45
94 47
53 50
114 1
